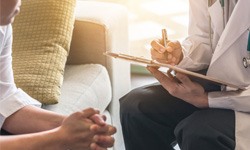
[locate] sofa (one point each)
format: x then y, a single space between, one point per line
90 78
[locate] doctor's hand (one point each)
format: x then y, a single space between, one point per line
171 54
186 90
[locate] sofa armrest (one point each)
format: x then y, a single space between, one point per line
101 27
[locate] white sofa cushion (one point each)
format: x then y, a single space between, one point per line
83 86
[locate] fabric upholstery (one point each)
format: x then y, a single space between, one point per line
83 86
42 36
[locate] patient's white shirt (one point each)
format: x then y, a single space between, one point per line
11 98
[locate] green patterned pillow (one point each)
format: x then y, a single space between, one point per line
42 35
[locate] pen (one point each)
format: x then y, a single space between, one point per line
165 39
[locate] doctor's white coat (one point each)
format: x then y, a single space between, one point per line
224 59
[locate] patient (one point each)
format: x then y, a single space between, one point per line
37 128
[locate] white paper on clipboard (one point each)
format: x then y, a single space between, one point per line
149 62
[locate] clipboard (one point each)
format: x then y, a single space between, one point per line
149 62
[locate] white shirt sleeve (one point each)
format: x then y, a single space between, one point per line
11 98
196 47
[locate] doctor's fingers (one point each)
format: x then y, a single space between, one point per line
174 44
176 52
184 80
155 55
163 57
168 83
158 46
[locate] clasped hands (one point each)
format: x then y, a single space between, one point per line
185 89
86 130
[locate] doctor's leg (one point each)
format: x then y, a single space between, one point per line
149 115
210 129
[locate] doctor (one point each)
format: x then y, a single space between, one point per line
195 116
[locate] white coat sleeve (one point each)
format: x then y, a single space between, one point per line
196 47
11 98
234 100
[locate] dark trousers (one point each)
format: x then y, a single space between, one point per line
152 119
3 132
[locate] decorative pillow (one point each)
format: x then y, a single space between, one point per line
42 34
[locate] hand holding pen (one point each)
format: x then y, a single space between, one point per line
166 51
